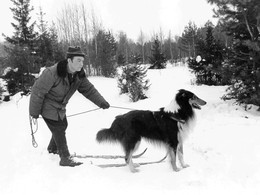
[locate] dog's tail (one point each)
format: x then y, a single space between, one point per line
106 135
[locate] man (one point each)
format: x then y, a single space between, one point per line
51 93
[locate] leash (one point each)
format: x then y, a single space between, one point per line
83 112
34 122
122 108
118 107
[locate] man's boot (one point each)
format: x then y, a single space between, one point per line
69 161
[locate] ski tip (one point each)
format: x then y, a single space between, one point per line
144 150
165 157
138 155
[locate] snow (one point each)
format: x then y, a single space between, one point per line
223 150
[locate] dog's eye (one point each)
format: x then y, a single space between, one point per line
194 97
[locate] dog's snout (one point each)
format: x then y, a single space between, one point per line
199 101
202 102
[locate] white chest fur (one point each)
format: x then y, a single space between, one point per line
186 128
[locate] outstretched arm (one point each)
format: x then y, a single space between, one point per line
90 92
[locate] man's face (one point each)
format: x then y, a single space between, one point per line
76 64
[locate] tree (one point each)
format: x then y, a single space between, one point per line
56 45
122 47
158 60
106 53
171 48
24 34
188 40
240 20
86 32
16 81
141 41
208 69
44 42
135 59
48 49
121 59
21 52
132 81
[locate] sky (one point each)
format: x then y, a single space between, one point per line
129 16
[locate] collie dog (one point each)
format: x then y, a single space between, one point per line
169 126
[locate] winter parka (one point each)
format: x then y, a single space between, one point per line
52 91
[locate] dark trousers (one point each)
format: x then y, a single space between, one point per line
58 140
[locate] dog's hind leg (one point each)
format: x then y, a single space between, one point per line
172 153
129 161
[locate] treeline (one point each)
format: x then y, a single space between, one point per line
225 54
36 43
231 57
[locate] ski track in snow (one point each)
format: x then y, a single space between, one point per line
223 151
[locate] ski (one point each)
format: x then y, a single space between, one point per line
107 156
124 164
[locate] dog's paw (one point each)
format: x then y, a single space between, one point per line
176 169
136 165
133 170
133 167
185 166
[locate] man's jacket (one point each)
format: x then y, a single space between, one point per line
52 91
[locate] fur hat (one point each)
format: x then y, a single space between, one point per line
74 51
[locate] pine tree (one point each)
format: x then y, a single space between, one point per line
48 47
241 21
1 91
121 59
106 53
44 49
132 81
24 34
158 60
21 52
209 69
123 48
57 50
188 40
135 59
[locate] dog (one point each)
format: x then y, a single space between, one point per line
169 125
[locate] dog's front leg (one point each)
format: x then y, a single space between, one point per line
172 153
180 155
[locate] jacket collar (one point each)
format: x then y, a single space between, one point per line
62 70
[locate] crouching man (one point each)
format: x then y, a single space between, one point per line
51 93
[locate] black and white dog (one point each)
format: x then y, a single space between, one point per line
169 126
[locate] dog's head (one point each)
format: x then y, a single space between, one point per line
184 97
185 101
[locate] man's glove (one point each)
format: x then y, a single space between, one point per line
35 117
105 105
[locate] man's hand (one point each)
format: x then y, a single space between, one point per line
35 116
105 105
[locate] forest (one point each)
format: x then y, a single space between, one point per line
224 54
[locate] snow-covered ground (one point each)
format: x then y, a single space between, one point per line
223 151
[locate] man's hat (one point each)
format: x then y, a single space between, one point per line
74 51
